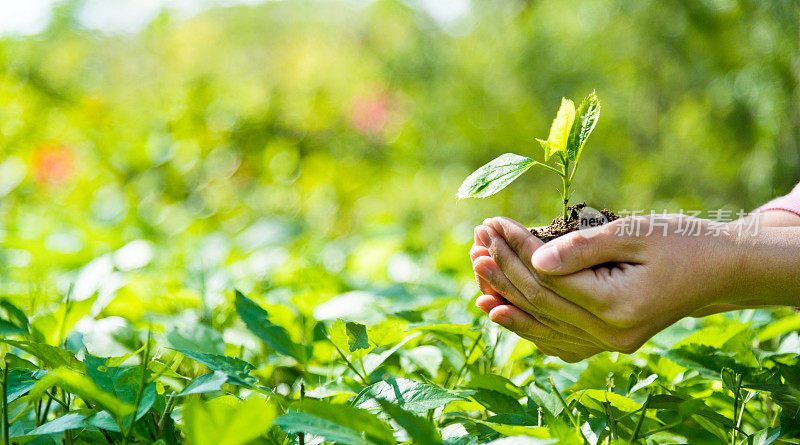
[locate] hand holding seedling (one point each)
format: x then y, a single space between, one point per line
621 289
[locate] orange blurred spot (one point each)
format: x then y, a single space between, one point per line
52 164
370 113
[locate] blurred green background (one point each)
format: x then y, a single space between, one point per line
316 146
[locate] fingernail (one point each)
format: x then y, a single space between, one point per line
546 259
483 235
502 320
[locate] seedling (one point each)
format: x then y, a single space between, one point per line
568 134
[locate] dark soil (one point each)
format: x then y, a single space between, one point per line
560 227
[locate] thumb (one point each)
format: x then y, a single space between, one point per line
586 248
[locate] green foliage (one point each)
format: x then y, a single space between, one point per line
227 421
271 334
494 176
305 153
568 135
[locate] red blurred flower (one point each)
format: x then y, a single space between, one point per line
370 113
52 164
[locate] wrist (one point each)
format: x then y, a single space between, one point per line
763 268
727 265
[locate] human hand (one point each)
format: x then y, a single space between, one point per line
551 336
623 288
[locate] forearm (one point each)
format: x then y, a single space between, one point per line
766 268
777 218
767 218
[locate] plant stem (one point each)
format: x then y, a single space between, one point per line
167 410
301 438
5 402
552 169
566 180
140 392
350 365
563 403
57 400
612 424
735 409
46 411
641 418
663 428
459 375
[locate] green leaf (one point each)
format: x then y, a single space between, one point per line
643 383
226 420
51 356
494 176
238 371
496 383
373 361
160 369
599 397
714 336
409 395
707 360
15 315
546 400
780 327
196 337
587 115
730 378
497 402
274 336
20 381
560 129
338 335
84 387
210 382
357 336
712 427
465 329
520 430
66 422
299 422
767 435
359 420
688 407
419 429
8 328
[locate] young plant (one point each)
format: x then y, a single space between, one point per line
568 134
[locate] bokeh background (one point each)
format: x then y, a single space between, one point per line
155 156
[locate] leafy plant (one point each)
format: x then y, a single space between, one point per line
568 135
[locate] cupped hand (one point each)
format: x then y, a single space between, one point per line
514 311
620 283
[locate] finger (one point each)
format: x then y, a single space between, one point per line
491 299
508 260
483 285
524 325
568 329
476 237
586 248
598 290
545 303
518 277
488 270
488 302
475 251
479 250
520 239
